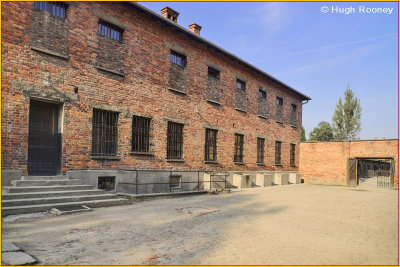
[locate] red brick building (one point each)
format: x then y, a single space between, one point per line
98 89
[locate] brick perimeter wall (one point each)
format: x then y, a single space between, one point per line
326 162
79 87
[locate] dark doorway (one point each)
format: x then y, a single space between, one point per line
44 142
371 172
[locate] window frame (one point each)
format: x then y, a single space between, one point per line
293 114
110 30
174 56
101 138
179 183
279 109
260 150
141 133
262 95
55 9
292 155
211 142
174 141
239 148
213 73
242 84
278 152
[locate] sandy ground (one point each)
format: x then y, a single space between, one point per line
287 225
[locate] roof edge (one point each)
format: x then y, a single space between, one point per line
199 38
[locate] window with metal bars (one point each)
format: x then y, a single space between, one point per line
292 155
238 157
241 85
278 153
178 59
293 115
213 73
57 9
174 140
110 30
175 181
279 109
262 95
140 134
260 150
210 145
104 133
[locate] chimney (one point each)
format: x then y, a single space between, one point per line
195 28
169 13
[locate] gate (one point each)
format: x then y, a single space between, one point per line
44 141
352 172
218 179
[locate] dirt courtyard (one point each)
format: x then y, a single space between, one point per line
287 225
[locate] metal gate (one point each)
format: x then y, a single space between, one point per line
44 141
218 179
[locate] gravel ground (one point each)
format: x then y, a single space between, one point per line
286 225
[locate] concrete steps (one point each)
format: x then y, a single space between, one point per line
42 193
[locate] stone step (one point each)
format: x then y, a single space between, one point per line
24 183
53 200
55 177
27 195
5 211
28 189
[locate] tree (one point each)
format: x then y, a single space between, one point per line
303 134
346 120
323 132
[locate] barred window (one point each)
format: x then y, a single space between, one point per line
292 155
178 59
211 145
57 9
278 152
260 150
262 95
104 133
174 140
279 109
293 115
175 181
140 134
241 85
213 73
110 30
238 157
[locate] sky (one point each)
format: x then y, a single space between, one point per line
314 47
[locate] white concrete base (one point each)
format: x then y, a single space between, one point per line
206 181
264 180
241 180
281 178
294 178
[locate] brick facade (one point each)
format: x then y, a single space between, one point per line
326 162
66 61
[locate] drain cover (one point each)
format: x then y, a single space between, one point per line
195 210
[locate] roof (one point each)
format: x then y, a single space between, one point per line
217 48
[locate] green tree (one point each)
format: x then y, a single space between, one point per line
303 134
346 120
323 132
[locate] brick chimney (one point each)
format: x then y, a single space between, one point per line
169 13
195 28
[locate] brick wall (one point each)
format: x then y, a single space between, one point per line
137 83
326 162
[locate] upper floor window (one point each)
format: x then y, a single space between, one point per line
140 134
57 9
293 116
278 153
213 73
279 109
262 95
178 59
110 30
241 85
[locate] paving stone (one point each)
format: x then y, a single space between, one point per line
16 258
7 246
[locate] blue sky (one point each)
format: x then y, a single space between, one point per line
314 52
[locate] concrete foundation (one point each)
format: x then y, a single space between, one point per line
8 175
264 179
242 180
294 178
281 178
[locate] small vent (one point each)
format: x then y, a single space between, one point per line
175 181
106 183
